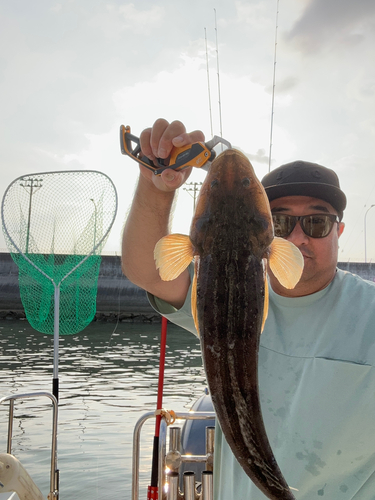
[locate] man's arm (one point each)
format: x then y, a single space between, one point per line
149 216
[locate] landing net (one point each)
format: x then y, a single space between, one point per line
55 226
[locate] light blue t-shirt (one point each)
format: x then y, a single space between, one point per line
317 387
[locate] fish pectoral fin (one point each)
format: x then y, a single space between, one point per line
172 255
266 301
286 262
194 310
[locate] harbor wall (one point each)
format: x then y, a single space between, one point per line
117 297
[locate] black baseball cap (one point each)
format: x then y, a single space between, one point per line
302 178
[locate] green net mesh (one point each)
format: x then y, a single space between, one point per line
55 225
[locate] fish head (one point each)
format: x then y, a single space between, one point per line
232 201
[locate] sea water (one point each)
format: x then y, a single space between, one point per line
108 377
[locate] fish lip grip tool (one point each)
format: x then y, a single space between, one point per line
199 154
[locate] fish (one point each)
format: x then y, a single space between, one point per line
232 244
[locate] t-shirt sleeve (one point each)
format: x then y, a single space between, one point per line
181 317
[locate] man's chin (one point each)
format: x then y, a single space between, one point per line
308 264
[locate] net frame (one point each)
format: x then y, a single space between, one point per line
96 249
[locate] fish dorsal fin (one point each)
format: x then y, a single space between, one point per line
194 310
286 262
173 254
266 300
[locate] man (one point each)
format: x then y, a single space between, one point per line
316 361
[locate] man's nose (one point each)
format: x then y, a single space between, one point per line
297 236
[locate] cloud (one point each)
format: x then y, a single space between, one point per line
260 156
142 19
116 21
284 85
328 23
62 64
254 14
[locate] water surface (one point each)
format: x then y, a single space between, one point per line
108 378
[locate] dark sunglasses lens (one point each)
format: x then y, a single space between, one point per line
283 225
317 226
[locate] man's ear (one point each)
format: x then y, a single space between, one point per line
341 227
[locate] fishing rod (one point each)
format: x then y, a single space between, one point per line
218 79
152 492
273 86
208 84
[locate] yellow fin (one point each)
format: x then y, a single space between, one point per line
266 300
194 310
286 262
173 254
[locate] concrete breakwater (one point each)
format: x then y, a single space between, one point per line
117 297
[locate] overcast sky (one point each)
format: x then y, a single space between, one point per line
73 71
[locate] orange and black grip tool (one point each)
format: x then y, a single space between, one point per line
199 154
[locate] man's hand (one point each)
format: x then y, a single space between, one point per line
157 142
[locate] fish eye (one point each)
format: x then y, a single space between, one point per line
214 183
246 182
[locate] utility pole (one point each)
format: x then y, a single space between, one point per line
365 230
194 187
96 212
31 186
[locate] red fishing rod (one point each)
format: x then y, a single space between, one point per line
152 492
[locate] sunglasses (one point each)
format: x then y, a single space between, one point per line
314 225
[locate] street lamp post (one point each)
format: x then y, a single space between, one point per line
365 230
31 185
91 199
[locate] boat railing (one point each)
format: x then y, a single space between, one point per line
170 462
54 474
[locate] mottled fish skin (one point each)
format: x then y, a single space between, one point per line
231 233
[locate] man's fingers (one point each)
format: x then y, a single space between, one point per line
157 131
164 145
145 143
173 179
175 135
159 140
188 138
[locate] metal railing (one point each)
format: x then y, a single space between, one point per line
54 474
170 462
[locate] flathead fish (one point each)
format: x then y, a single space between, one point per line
232 242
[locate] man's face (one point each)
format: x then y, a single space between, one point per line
319 254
